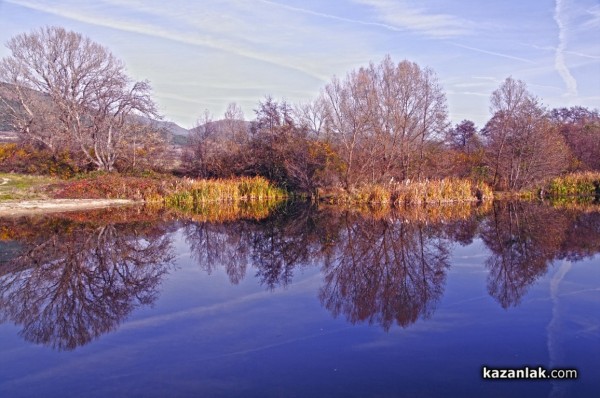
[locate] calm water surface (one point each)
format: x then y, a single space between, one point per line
301 302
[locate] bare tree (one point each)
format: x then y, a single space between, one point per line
198 155
144 147
382 118
462 154
345 121
581 129
234 125
522 145
311 116
463 137
72 91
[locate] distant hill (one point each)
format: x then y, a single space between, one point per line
176 134
173 128
219 125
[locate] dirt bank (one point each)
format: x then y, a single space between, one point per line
11 208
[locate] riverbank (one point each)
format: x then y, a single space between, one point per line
22 207
21 193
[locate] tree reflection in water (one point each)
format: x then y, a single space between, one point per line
215 245
525 238
385 270
274 246
390 267
69 281
73 281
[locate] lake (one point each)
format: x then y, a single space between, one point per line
291 300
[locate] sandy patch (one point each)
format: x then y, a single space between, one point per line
10 208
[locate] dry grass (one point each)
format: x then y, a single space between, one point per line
190 194
413 193
168 190
23 187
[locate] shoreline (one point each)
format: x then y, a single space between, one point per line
42 206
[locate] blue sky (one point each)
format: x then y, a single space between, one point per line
205 54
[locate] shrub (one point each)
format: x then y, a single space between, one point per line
31 160
576 184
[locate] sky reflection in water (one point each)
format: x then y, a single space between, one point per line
304 302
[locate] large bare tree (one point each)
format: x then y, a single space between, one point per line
68 91
381 119
522 145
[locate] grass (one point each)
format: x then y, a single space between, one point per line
451 190
183 193
159 189
24 187
191 194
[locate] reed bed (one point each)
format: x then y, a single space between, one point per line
168 190
190 194
413 193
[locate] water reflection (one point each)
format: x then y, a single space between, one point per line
525 238
274 246
385 270
69 281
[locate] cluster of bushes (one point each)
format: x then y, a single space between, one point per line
29 159
576 184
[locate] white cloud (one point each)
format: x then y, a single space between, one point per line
190 36
401 15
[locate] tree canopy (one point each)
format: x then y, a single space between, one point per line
71 91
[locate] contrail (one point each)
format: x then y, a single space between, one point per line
493 53
559 59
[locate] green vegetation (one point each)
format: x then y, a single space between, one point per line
22 187
576 184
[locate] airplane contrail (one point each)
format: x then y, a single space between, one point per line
559 58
